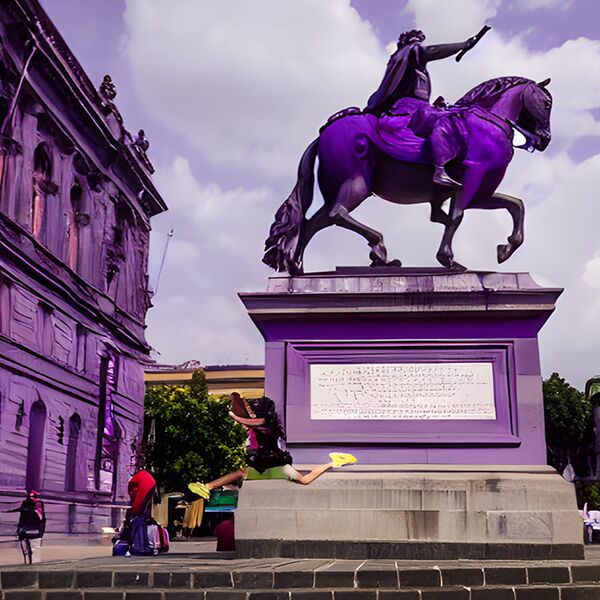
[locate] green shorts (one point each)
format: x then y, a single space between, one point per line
283 472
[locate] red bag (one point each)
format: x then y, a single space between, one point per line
163 536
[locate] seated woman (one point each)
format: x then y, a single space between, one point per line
266 460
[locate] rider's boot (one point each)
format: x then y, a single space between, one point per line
442 178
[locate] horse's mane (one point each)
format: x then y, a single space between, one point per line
489 90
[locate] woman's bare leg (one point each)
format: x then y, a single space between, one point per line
229 478
312 475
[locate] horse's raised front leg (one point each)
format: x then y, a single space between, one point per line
474 178
352 193
516 210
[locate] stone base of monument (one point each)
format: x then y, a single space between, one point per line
428 512
418 372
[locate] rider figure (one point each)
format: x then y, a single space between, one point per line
406 76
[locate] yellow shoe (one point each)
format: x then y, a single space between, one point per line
340 459
201 489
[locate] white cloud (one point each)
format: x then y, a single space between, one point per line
442 22
591 273
249 83
214 253
525 5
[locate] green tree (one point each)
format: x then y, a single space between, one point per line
189 436
569 425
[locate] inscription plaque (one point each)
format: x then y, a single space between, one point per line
402 391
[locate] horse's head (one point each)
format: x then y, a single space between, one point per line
535 114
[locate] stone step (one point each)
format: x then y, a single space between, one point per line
578 591
291 575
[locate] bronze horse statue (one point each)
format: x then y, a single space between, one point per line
392 156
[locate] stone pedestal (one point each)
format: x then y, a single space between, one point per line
421 513
429 368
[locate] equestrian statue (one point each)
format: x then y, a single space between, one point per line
406 150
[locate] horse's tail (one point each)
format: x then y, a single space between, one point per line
284 235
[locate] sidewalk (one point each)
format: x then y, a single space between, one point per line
72 549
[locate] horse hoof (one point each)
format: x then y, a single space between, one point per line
457 266
504 252
444 260
449 262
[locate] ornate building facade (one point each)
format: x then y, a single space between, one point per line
76 197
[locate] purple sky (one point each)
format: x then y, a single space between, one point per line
230 92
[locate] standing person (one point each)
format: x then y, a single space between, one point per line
266 459
32 523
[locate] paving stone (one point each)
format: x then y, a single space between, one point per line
585 573
225 595
103 595
505 575
336 575
398 595
355 595
18 579
293 579
187 595
55 579
537 593
145 595
312 595
23 595
462 576
91 579
446 594
580 592
210 579
492 594
252 579
63 595
419 577
377 577
165 579
548 575
269 595
131 579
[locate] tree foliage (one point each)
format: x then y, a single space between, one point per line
569 425
189 435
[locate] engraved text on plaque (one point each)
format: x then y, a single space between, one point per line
409 391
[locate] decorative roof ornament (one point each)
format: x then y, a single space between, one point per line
107 89
108 92
141 145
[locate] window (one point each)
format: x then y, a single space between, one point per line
75 210
71 463
42 170
35 446
5 305
46 329
81 337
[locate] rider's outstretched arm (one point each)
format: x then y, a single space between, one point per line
440 51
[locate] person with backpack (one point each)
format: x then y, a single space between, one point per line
140 534
32 523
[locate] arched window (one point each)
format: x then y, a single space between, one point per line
71 464
42 171
75 209
35 446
